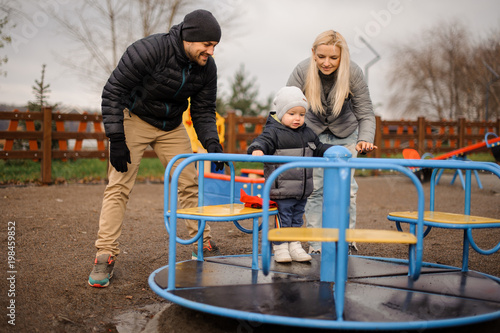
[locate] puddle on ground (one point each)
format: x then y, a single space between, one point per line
137 320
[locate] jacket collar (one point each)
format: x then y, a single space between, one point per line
180 53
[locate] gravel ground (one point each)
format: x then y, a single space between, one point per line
56 226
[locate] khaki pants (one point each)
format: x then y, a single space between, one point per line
139 135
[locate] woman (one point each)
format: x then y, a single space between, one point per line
341 113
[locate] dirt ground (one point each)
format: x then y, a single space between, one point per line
55 229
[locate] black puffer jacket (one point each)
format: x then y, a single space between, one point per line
154 80
277 139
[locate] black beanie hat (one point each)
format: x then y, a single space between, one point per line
200 26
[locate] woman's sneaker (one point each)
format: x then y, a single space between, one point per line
353 249
312 250
102 271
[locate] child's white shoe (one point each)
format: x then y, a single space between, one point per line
281 253
297 252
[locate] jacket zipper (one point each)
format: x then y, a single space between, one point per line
132 107
167 107
304 169
183 78
178 90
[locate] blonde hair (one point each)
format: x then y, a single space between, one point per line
313 81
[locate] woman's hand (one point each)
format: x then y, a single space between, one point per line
257 153
364 147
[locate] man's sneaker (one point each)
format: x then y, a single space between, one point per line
102 271
210 250
353 249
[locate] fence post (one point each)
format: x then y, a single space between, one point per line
231 132
13 123
461 132
47 146
378 137
421 135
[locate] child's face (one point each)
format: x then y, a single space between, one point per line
294 118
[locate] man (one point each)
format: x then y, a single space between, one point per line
142 104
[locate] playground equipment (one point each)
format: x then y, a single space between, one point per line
457 154
465 221
217 185
334 291
462 151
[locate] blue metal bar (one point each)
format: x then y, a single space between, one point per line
440 164
479 184
432 191
467 203
331 219
166 187
201 199
255 243
447 226
341 221
477 248
232 187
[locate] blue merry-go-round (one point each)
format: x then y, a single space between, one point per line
335 290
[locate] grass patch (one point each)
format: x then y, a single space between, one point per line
19 171
247 165
72 171
481 157
84 171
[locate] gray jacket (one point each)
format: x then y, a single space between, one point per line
356 111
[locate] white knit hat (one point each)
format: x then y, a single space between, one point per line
287 98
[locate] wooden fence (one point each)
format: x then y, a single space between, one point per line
433 137
391 136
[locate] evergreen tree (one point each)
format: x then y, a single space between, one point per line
244 93
41 91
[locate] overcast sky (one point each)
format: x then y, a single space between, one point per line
270 38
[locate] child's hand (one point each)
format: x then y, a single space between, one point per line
257 153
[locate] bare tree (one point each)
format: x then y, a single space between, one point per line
4 37
488 76
101 30
158 15
96 28
438 74
8 12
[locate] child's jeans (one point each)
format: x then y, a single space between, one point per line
290 213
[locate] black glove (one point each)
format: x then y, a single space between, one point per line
119 154
215 147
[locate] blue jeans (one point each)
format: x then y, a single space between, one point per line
290 213
314 206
